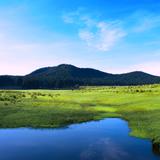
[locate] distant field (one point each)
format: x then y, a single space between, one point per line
139 105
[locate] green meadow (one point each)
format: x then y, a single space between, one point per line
139 105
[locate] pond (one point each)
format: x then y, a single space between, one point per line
107 139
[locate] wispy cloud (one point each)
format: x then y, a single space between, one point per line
104 38
144 21
97 34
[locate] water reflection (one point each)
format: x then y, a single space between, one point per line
156 148
105 148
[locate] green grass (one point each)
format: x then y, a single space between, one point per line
139 105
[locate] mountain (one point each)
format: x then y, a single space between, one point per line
69 76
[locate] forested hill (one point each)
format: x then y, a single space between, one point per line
69 76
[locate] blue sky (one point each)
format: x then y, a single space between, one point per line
110 35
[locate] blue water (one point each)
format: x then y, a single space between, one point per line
101 140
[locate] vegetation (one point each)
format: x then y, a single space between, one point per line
68 76
139 105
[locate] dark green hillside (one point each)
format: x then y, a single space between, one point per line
69 71
137 78
69 76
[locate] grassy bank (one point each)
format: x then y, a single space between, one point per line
140 106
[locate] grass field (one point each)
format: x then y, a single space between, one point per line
139 105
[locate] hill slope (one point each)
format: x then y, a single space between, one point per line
68 76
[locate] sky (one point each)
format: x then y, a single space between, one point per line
115 36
